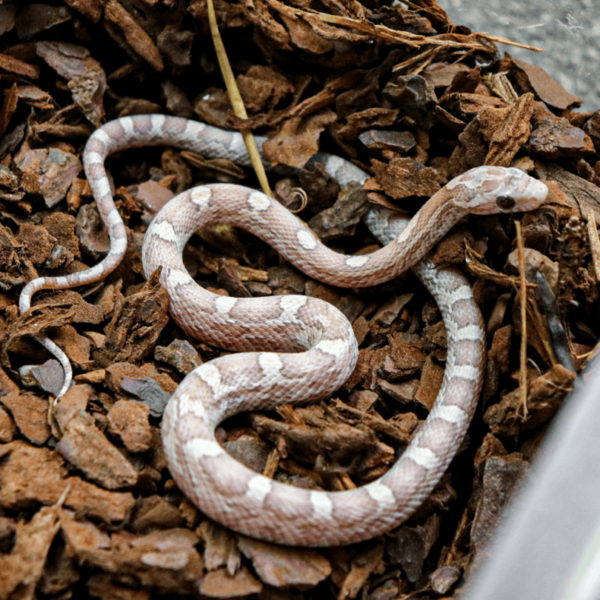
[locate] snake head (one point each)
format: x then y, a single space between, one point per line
490 190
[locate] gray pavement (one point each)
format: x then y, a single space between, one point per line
569 30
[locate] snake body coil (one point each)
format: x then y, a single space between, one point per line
294 348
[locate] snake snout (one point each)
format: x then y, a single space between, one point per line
488 190
530 193
524 192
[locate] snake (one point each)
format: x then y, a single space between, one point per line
294 349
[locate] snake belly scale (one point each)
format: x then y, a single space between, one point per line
294 349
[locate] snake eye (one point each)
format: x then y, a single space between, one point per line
506 202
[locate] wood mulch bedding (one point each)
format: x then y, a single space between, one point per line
87 504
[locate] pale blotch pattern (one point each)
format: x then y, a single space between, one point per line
258 488
127 125
451 413
192 129
118 245
465 371
470 332
200 195
157 125
184 403
93 158
114 217
236 145
333 347
469 183
477 200
356 261
164 231
424 457
382 494
199 448
475 179
177 278
258 201
61 281
306 240
270 363
210 375
101 135
322 505
102 188
290 306
224 304
462 293
188 405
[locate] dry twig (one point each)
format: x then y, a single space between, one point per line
523 298
411 39
594 242
236 99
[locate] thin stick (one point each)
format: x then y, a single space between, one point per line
272 463
502 40
594 243
426 57
405 37
523 295
236 99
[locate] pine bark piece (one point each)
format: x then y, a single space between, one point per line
88 449
136 37
22 568
129 421
136 325
30 414
30 475
513 134
280 566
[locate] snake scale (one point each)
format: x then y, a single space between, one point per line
294 349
